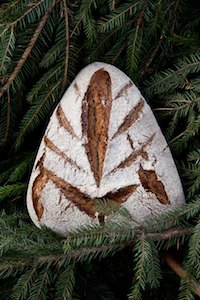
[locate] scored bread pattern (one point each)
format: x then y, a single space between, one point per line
93 158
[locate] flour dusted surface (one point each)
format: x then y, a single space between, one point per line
124 157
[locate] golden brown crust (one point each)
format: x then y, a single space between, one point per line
131 118
151 184
95 120
121 195
124 89
63 121
134 155
55 149
81 200
38 185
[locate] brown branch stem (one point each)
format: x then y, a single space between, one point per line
74 254
79 21
167 234
157 236
4 139
32 7
153 55
80 253
28 49
65 10
178 269
7 49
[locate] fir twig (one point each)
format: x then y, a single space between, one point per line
11 37
28 50
168 234
178 269
4 139
153 55
40 53
65 10
32 7
82 15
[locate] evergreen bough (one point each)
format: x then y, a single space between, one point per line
43 45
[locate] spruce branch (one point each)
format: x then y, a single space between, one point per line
10 6
83 253
178 269
174 17
40 285
153 55
32 7
104 41
14 23
52 75
138 26
157 236
34 114
117 55
174 217
140 260
7 51
65 283
9 263
65 11
6 133
28 50
173 78
23 285
15 189
170 233
84 8
135 41
192 262
118 17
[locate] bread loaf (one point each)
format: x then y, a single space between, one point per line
102 141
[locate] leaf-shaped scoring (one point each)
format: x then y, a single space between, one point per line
81 200
95 120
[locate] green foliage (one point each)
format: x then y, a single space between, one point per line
192 266
40 285
25 247
23 286
8 43
43 45
11 190
147 268
65 283
173 78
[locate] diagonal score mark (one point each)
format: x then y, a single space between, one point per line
151 184
121 195
83 201
62 119
55 149
38 185
134 155
130 119
73 194
124 89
